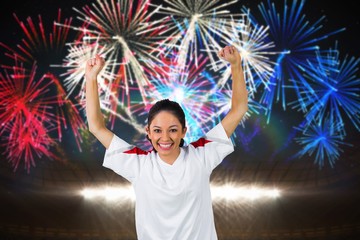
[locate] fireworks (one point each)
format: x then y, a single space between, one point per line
297 41
127 34
222 100
44 48
198 26
191 88
169 51
27 120
332 90
255 49
324 139
38 44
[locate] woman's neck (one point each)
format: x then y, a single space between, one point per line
170 159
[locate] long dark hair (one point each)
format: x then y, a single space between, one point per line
169 106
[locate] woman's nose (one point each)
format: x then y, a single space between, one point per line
165 135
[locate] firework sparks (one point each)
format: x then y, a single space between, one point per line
38 44
322 138
141 69
75 62
190 89
222 100
128 35
200 25
297 40
26 118
114 99
68 112
334 90
255 48
44 48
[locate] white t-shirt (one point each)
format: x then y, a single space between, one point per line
173 202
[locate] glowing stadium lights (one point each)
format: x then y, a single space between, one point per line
219 193
109 193
233 193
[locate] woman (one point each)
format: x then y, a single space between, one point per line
171 182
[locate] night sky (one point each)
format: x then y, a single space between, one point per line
282 122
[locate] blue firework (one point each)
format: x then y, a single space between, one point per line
221 99
333 90
322 138
297 39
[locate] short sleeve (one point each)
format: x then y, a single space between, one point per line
124 159
213 147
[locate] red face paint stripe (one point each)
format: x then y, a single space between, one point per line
137 151
200 143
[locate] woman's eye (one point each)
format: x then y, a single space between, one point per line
173 130
156 130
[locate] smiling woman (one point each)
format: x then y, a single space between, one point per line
172 182
166 129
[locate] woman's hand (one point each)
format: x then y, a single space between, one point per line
230 54
93 67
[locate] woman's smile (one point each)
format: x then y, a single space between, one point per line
165 146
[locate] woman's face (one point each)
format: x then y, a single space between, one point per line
165 132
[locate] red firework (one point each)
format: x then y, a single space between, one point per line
42 44
38 44
27 115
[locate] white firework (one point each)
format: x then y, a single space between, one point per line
255 50
199 25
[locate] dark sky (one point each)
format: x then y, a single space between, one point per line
338 15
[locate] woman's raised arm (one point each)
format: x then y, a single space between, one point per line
239 98
94 116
